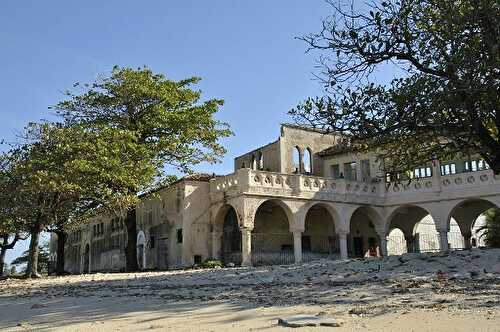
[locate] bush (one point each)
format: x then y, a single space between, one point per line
492 228
211 263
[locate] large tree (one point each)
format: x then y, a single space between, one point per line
169 119
61 173
446 98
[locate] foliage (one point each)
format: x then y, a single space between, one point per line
447 101
60 174
170 123
167 117
43 259
491 230
211 263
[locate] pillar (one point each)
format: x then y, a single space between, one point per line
297 246
343 246
216 244
410 240
443 239
467 240
383 246
246 247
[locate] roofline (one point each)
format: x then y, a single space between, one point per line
257 149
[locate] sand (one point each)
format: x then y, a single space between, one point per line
457 291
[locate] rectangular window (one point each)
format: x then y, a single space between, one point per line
179 235
335 171
448 169
350 171
365 170
422 172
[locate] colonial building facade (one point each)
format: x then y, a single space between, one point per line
299 198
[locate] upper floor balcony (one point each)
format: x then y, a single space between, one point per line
377 192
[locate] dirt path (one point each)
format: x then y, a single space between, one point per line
441 292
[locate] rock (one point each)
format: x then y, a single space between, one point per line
38 306
230 265
307 320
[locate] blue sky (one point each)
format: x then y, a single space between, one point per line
244 51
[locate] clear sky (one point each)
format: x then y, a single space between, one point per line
244 51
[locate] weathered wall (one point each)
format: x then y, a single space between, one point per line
292 136
270 156
196 222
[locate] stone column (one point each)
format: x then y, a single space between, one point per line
410 240
246 247
383 246
216 244
467 240
343 246
443 239
297 246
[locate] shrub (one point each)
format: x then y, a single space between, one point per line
211 263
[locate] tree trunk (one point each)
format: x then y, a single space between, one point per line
61 242
32 268
2 260
131 248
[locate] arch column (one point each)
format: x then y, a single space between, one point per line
441 214
410 242
443 239
297 246
343 245
467 240
246 246
382 238
216 244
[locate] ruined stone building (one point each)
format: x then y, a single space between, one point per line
299 198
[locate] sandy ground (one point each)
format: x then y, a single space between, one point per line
457 291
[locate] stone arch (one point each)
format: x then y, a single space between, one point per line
417 225
226 235
319 238
365 225
141 250
272 240
406 217
465 213
218 221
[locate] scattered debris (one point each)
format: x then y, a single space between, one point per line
307 320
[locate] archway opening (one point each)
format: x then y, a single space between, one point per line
319 239
425 236
141 250
307 161
272 241
396 242
417 231
469 216
363 240
231 238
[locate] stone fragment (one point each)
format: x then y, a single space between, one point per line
307 320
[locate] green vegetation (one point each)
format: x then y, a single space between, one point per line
211 263
445 103
115 140
491 230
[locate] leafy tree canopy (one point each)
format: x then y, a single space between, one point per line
166 116
446 103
